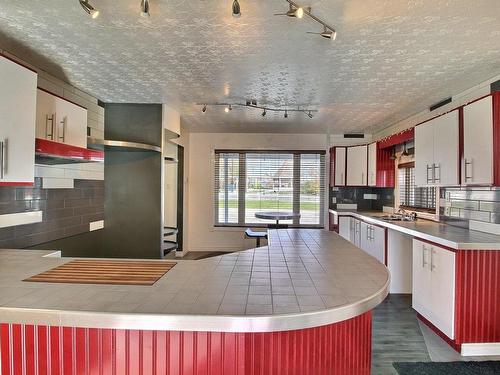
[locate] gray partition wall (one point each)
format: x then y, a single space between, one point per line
133 182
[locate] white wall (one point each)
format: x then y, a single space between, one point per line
201 235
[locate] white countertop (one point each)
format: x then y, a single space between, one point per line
439 233
304 278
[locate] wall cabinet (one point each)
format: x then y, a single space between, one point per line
340 166
477 167
434 285
372 164
437 151
17 119
373 241
60 121
357 168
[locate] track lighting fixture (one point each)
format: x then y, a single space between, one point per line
236 9
94 13
253 104
295 10
145 8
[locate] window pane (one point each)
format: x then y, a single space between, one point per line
412 196
226 187
310 189
269 185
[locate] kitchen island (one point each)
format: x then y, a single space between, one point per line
301 305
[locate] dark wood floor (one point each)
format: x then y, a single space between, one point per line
396 335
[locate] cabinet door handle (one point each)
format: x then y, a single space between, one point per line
436 166
467 163
424 249
52 120
341 178
362 178
430 168
63 122
432 259
2 158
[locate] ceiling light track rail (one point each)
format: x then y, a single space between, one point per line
229 106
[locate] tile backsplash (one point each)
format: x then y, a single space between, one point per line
459 205
66 212
366 198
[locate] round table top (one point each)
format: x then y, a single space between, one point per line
276 215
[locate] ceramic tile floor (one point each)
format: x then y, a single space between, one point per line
398 336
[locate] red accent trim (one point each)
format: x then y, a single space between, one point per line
17 183
386 168
332 165
437 245
60 97
386 247
460 143
340 348
18 63
51 148
450 342
397 139
477 300
496 138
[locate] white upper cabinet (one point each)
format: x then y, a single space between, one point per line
17 122
339 166
60 121
357 168
437 151
477 167
372 164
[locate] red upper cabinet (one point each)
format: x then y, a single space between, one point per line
481 142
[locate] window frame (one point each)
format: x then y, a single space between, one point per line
242 188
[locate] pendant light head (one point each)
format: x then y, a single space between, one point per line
264 113
236 9
228 108
309 114
94 13
145 8
405 151
286 114
204 109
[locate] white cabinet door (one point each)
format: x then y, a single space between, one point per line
339 166
478 142
46 116
372 164
357 168
421 283
345 227
356 232
378 243
60 121
17 122
442 265
446 149
365 238
71 124
424 153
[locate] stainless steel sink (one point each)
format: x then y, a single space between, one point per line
396 217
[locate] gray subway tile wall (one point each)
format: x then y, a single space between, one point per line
66 212
459 205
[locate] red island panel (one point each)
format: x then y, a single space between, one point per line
340 348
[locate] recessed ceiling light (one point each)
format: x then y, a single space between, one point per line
145 8
236 9
94 13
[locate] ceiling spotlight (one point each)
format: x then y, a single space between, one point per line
236 9
228 108
327 33
145 8
286 114
264 113
294 11
204 109
309 114
94 13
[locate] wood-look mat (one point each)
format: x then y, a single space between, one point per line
113 272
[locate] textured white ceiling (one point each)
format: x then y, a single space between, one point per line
392 58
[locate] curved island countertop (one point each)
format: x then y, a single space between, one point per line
304 278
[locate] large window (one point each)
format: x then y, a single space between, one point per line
410 196
247 182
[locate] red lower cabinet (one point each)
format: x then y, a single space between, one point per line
340 348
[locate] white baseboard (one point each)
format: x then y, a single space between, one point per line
481 349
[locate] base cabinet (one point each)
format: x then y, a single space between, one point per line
373 241
434 285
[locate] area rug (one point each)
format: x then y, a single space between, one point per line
447 368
